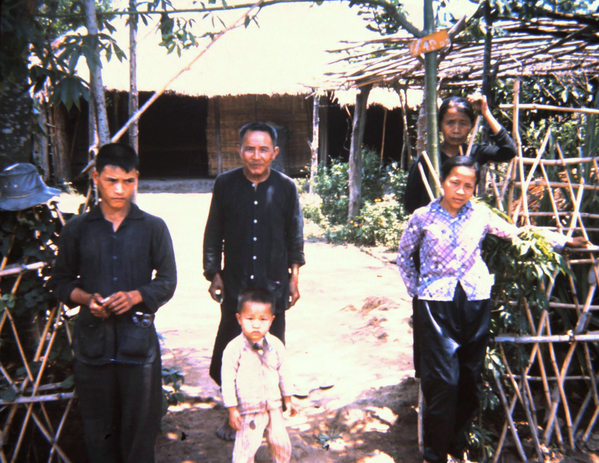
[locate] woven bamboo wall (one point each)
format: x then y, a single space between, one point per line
289 111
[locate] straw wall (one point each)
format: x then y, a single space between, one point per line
289 111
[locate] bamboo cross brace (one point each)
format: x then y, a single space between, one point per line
34 392
577 204
60 427
507 181
587 432
510 422
523 197
591 394
526 400
558 392
552 199
50 439
564 370
540 354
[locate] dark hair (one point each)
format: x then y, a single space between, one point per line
260 295
117 155
259 127
461 104
459 161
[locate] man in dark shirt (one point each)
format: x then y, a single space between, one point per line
105 264
255 220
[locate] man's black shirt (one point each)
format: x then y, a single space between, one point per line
95 258
260 231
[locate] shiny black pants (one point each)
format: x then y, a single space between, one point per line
229 329
453 341
121 408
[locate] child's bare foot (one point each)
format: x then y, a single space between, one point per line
226 432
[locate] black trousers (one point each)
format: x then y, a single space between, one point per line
121 408
229 329
453 340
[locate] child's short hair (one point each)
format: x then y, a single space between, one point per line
459 161
117 155
260 295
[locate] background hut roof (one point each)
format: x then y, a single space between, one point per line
286 54
537 46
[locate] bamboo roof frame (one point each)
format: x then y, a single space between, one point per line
536 46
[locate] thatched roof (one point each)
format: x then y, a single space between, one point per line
537 46
287 54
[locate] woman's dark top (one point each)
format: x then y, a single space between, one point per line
503 150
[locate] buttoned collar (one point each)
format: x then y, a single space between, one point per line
95 213
466 209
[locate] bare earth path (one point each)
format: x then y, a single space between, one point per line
349 330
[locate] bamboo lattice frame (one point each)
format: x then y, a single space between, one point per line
576 426
35 389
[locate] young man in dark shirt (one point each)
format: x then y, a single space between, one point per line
105 264
255 220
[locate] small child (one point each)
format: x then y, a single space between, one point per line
254 378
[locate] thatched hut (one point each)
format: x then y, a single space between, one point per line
267 73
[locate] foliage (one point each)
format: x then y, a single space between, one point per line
380 219
172 380
28 237
41 42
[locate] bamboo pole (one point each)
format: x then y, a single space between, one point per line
535 106
510 421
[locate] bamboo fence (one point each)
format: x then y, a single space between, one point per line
35 389
546 413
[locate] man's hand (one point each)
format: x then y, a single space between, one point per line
97 307
123 301
235 418
217 288
294 294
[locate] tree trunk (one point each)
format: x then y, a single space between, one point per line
314 144
355 151
61 156
133 95
95 73
16 118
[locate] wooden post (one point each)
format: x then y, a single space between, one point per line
133 94
95 75
383 138
219 151
355 151
315 137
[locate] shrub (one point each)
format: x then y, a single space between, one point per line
379 222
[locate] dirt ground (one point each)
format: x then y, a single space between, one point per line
349 330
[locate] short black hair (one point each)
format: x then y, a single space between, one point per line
461 104
117 155
259 127
459 161
259 295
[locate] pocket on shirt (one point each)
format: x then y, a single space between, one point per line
91 339
136 341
